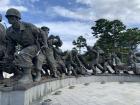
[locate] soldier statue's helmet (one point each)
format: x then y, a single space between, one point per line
44 28
13 12
98 49
58 41
89 47
74 51
51 37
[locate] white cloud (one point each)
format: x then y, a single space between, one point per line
69 31
20 8
79 13
4 2
67 45
126 10
5 5
69 27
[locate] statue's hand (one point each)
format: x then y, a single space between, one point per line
50 42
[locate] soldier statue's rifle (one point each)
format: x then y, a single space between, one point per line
5 25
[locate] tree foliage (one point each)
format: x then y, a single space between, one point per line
130 38
79 43
108 33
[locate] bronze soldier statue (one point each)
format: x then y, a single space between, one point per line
58 55
49 55
80 64
75 63
2 45
98 61
131 59
70 65
108 64
26 35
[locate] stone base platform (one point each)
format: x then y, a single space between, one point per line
29 94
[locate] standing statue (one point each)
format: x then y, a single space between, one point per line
26 35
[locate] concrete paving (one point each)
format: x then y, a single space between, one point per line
97 93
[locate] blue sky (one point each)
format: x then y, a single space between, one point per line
72 18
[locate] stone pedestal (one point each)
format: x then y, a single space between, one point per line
30 94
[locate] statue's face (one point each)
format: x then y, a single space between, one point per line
12 19
74 52
46 30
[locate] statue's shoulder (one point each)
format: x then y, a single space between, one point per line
9 30
28 25
2 26
2 29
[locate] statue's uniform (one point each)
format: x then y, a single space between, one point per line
98 59
70 63
2 41
2 46
25 37
73 59
51 62
58 57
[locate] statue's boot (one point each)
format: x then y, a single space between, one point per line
62 75
16 75
101 68
1 75
55 74
88 73
109 72
26 77
94 72
74 72
117 72
38 76
68 73
125 72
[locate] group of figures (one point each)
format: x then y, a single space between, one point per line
29 53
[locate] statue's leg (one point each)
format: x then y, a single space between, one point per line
1 59
101 68
23 60
106 68
116 69
52 62
93 67
1 74
74 69
38 66
63 67
68 67
46 68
